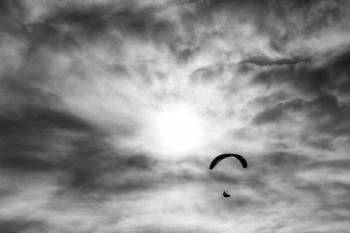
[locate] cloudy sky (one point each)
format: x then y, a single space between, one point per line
111 112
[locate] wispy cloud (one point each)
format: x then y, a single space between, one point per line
80 82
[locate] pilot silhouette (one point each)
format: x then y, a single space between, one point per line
225 194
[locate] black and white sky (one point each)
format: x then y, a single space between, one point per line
111 112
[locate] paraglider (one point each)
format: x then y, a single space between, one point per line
225 194
219 158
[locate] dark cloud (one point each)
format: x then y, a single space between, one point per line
284 160
319 181
101 175
327 110
332 164
27 136
266 61
270 99
22 225
281 21
316 17
327 119
324 142
12 16
277 113
44 140
271 115
17 94
71 25
309 78
332 115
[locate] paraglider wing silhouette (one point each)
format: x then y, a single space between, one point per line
223 156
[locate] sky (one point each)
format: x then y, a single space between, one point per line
111 112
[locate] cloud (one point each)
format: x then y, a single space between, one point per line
21 225
265 61
322 96
81 81
43 140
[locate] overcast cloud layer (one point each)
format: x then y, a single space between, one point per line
81 80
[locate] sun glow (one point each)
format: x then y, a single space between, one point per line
177 129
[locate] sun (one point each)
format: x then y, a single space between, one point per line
177 129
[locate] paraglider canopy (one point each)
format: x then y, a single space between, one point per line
223 156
